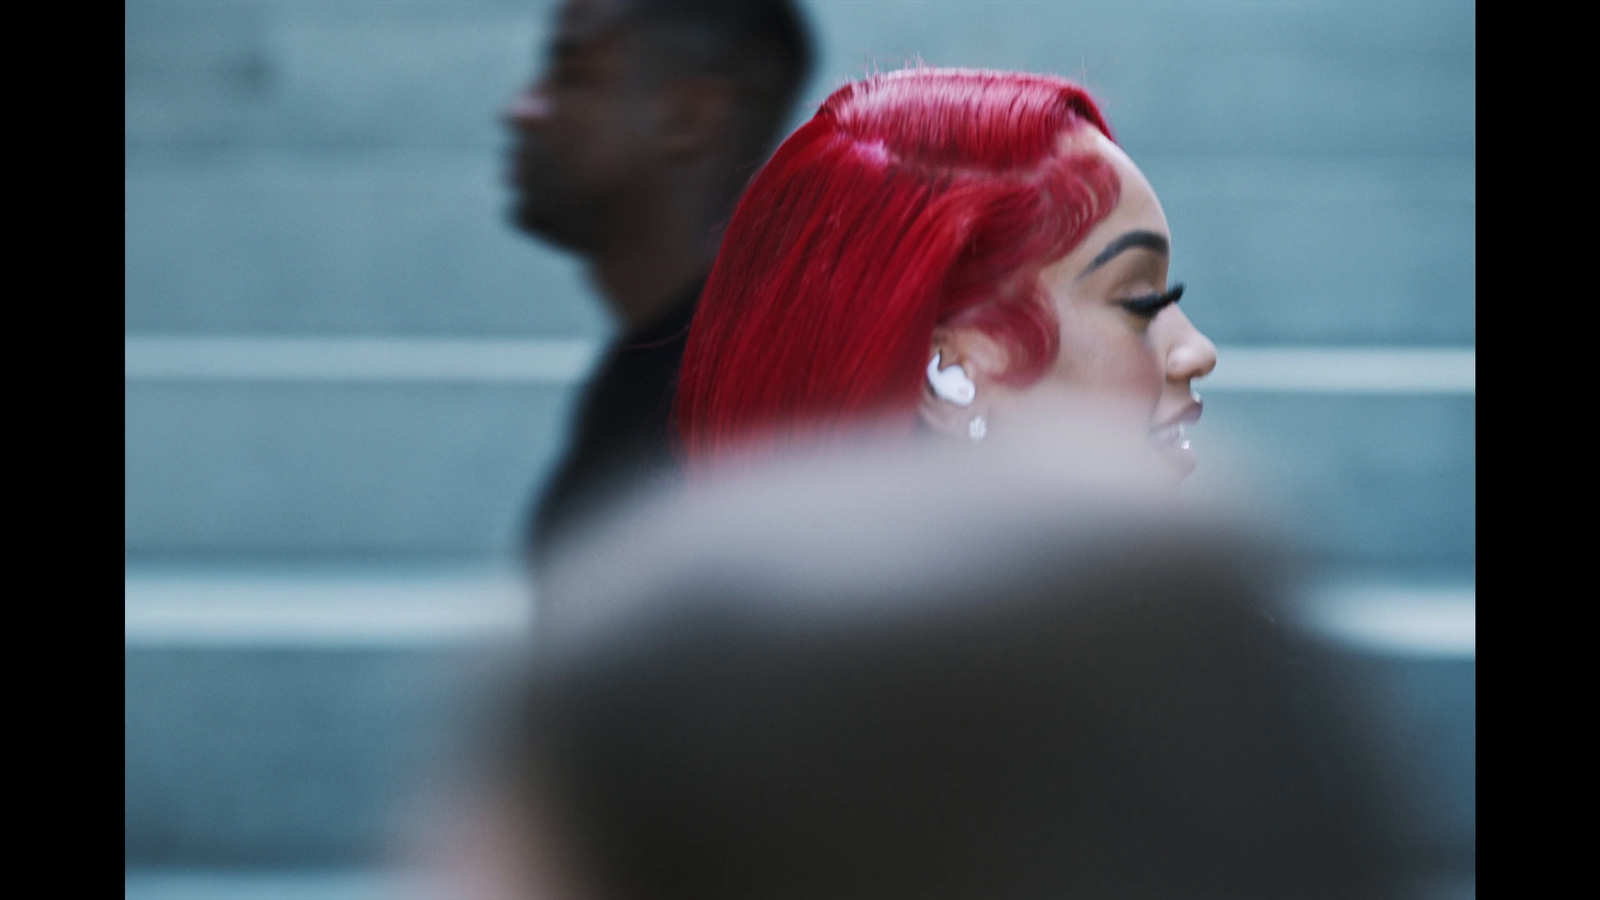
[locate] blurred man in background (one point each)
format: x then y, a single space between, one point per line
631 150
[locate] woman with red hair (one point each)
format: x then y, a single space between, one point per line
939 250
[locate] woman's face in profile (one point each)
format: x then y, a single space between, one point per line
1122 336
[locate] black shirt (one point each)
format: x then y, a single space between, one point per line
623 433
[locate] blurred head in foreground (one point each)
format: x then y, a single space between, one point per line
939 249
946 674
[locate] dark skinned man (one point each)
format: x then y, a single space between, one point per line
630 150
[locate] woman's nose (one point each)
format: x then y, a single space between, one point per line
1191 354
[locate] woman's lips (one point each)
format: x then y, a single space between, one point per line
1171 437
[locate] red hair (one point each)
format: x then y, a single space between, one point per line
911 200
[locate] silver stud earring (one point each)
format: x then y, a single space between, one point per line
977 428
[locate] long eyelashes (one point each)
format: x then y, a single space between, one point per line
1147 307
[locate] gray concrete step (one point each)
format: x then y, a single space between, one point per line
250 470
395 468
280 717
334 167
1273 249
1347 78
304 715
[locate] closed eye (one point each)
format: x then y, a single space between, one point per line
1147 307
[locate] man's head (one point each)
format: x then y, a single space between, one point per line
641 95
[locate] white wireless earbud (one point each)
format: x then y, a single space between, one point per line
951 384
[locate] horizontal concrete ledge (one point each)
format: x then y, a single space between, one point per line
1345 370
329 610
380 884
565 361
190 884
386 610
359 359
1433 622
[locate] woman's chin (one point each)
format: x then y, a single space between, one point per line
1180 456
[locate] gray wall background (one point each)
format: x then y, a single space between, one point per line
332 168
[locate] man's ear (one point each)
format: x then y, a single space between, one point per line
693 113
966 356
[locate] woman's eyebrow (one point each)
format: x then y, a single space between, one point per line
1147 239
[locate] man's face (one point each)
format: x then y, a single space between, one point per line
579 132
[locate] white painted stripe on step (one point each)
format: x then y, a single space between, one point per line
562 361
1344 370
1421 622
310 611
397 359
244 610
247 884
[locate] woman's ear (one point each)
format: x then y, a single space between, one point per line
960 380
